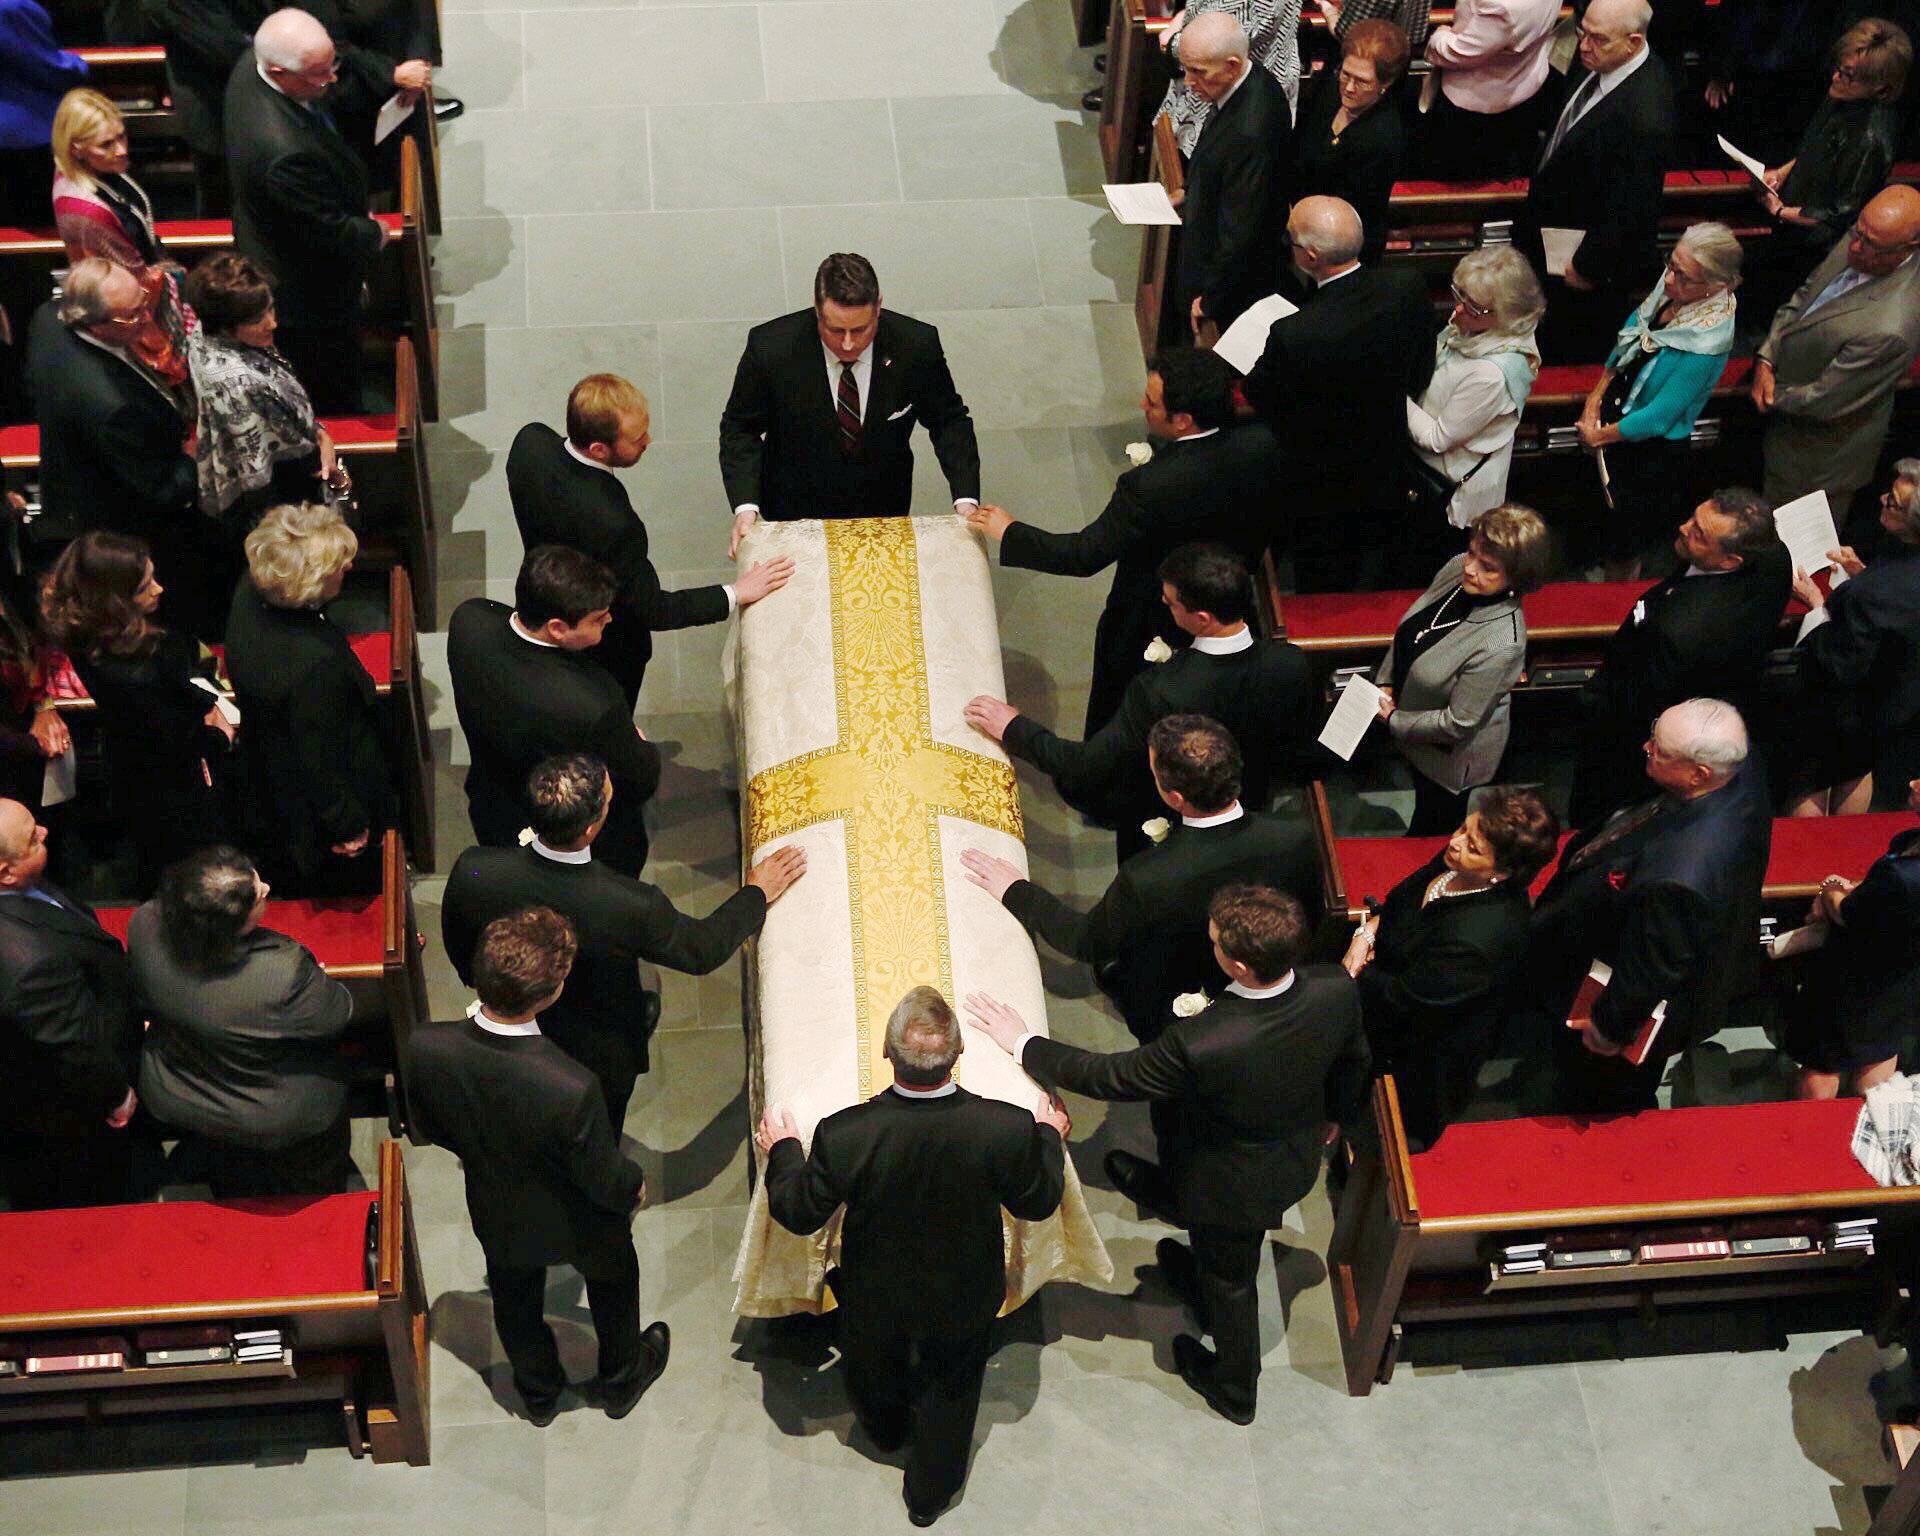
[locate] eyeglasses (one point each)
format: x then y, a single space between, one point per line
1354 82
1478 311
1683 275
1860 234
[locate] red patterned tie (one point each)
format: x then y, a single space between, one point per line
847 407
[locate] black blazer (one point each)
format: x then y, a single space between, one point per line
546 1180
780 438
923 1181
1264 695
1432 995
519 703
559 500
69 1030
1871 646
1868 971
1361 166
1251 1082
619 921
111 443
1334 382
1606 178
248 1056
1689 637
1153 918
311 746
1239 182
1673 907
300 196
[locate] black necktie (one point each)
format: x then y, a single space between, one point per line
1623 822
847 409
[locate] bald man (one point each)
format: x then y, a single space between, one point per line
1825 376
1600 173
300 197
1333 384
1239 175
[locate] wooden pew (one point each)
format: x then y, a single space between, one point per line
339 1276
1416 1234
372 943
1156 306
392 658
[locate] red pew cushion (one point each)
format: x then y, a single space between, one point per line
1371 617
21 442
1562 1163
341 930
184 1253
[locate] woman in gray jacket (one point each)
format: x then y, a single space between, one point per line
1455 658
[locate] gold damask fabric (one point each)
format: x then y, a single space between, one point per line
847 694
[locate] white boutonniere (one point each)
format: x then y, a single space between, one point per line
1139 453
1158 650
1190 1004
527 835
1157 828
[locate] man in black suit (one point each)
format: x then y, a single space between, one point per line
300 195
923 1169
820 421
565 491
1262 691
1333 383
546 1180
1238 176
1600 175
1247 1082
1667 892
113 435
525 689
69 1037
1208 479
607 1016
1146 938
1704 632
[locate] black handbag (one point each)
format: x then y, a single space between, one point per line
1430 491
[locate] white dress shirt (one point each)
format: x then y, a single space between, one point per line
1218 819
562 855
1231 644
1256 993
477 1011
946 1088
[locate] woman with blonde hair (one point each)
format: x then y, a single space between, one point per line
318 788
98 208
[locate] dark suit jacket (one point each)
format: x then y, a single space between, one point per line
1264 695
247 1056
1868 971
1334 382
923 1181
1606 178
1673 907
1239 182
300 196
1871 645
546 1180
600 1018
69 1030
111 443
519 703
780 440
1432 995
1252 1082
311 746
1153 918
559 500
1689 637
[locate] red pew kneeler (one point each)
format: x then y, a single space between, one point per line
346 934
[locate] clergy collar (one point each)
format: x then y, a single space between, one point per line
1261 992
1225 645
579 457
476 1010
946 1089
1218 819
528 635
561 855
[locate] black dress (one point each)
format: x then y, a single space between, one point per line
1430 997
164 762
1360 165
1856 997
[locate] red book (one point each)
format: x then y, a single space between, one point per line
1584 1001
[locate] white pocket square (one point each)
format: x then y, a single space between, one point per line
904 410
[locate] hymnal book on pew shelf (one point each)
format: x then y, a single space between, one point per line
71 1354
1669 1253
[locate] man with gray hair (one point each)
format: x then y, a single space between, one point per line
1239 174
1667 893
1333 383
924 1169
300 197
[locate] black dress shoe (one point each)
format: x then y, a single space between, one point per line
447 108
657 1341
1182 1274
1140 1181
649 1012
920 1516
1194 1361
540 1415
1091 102
1099 63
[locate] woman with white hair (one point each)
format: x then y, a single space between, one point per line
1273 42
1657 380
1484 365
